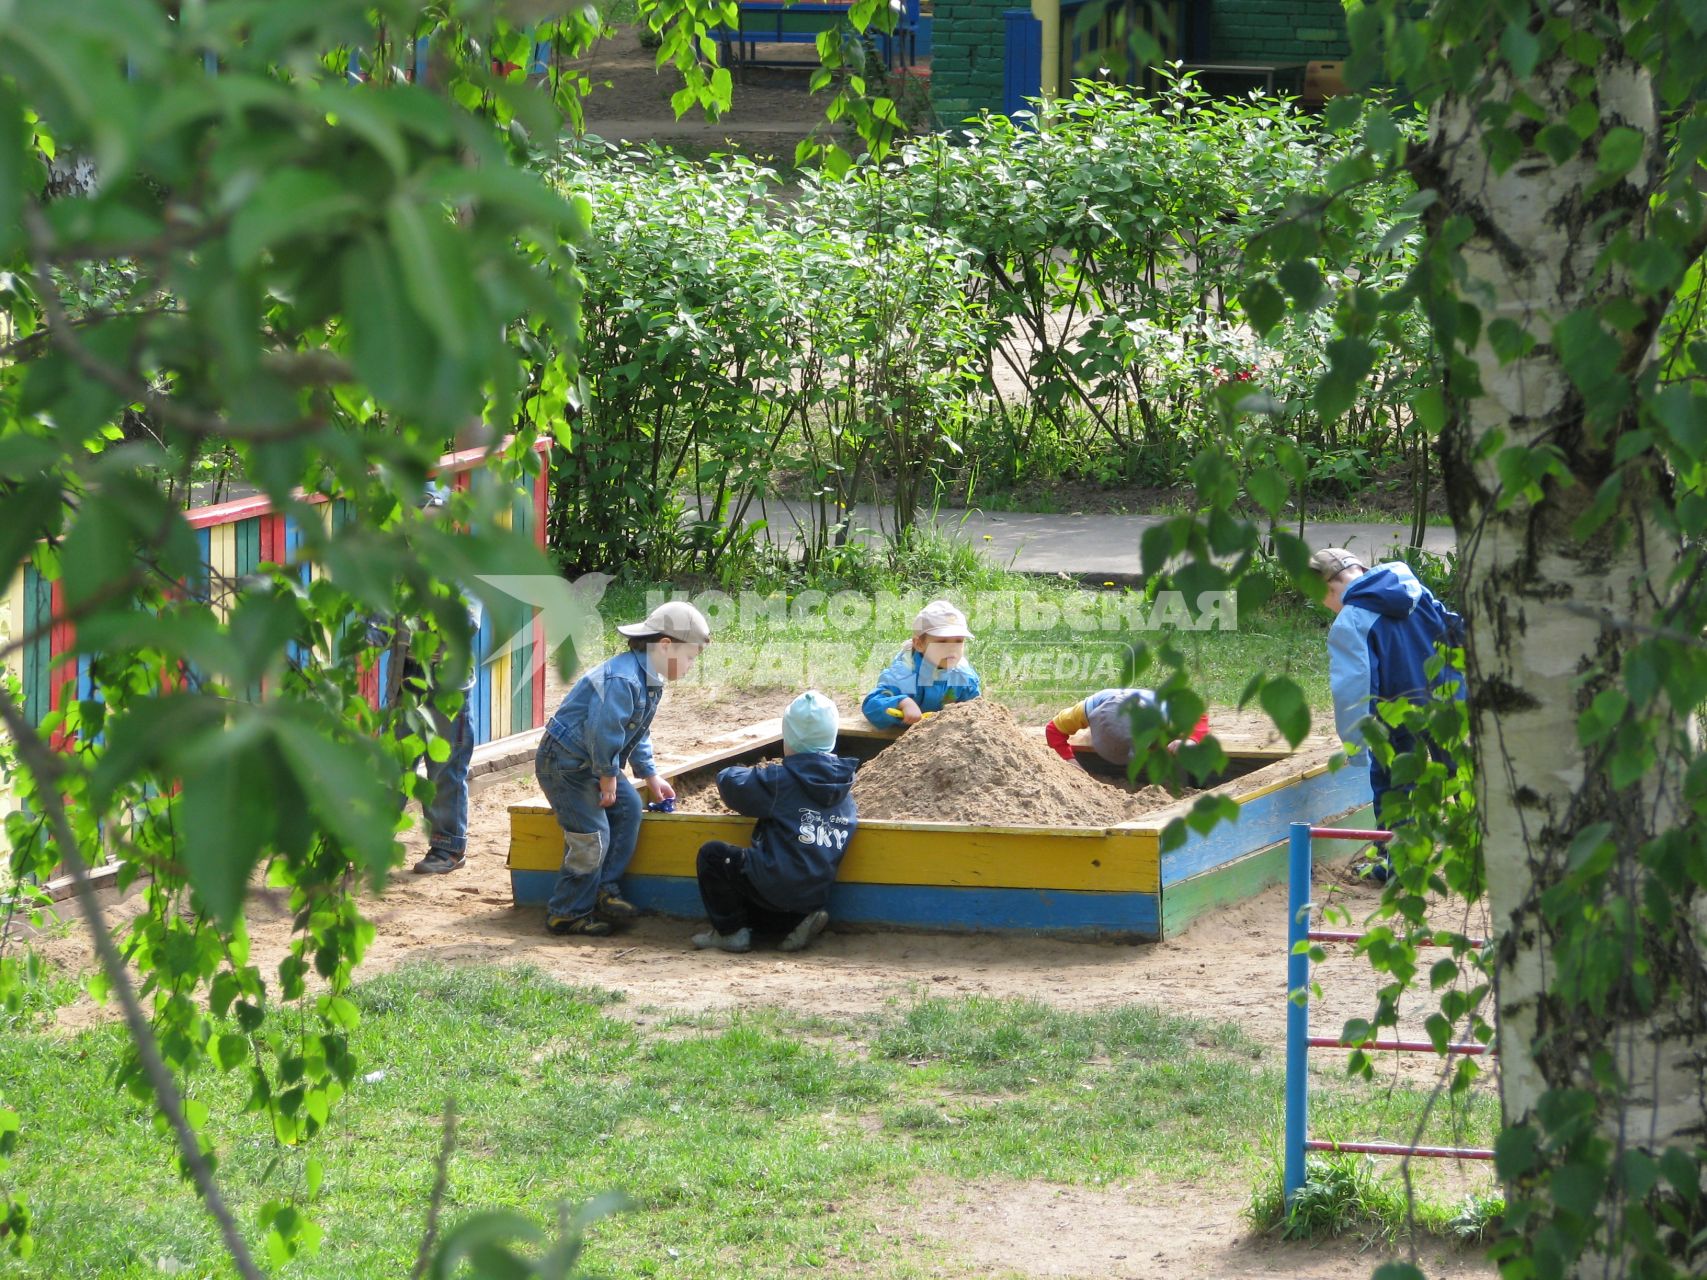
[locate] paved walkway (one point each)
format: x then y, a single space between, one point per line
1084 546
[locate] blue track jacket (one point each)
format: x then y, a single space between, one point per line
910 676
1378 647
806 818
605 720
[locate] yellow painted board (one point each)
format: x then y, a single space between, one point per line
501 696
222 564
945 854
12 614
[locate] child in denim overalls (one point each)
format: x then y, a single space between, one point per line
602 726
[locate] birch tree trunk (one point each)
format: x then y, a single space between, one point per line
1554 619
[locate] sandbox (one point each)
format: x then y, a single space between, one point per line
1109 880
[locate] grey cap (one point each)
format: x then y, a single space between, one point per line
677 619
1330 562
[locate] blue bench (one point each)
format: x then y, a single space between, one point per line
779 22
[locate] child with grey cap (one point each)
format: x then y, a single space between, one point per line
780 883
602 726
931 672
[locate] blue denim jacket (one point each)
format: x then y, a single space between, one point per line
604 722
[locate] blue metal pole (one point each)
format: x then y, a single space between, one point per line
1297 1011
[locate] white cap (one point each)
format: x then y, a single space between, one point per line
1330 562
810 723
677 619
941 619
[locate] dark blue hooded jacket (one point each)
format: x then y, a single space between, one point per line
1378 648
806 818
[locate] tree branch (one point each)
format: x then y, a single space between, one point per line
435 1206
46 769
61 328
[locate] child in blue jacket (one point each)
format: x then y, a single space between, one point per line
781 882
1386 627
602 726
931 672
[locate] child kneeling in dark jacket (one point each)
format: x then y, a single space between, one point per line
781 882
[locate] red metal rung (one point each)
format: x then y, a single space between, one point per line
1467 1047
1400 1149
1348 833
1343 935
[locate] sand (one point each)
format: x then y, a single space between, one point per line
973 763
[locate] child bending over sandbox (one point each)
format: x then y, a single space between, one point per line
603 725
931 672
1107 713
780 883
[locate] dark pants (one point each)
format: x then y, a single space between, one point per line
731 901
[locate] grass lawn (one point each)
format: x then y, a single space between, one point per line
753 1144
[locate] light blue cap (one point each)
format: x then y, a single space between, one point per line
810 723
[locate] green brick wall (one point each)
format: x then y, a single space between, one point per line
968 38
1276 30
968 42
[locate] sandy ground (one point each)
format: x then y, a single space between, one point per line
1044 1231
1228 967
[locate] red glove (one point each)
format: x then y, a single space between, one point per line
1057 741
1200 730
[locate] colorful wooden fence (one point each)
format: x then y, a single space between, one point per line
237 538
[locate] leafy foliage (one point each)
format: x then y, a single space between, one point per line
324 281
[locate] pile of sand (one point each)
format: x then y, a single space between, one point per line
973 764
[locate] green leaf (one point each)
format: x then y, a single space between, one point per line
315 1173
435 273
349 796
1429 405
340 1012
1683 1172
224 827
1683 414
149 734
480 1232
1284 703
231 1051
392 349
1300 278
1209 811
1577 1188
1514 1152
1263 305
1620 151
1397 1271
1268 486
1559 141
289 203
1521 48
15 174
28 514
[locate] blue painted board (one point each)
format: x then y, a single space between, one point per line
1266 820
944 910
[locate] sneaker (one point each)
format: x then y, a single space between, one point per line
573 926
737 942
615 908
800 937
439 861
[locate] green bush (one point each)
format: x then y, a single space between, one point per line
1009 304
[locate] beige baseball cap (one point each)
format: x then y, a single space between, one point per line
677 619
1330 562
942 620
